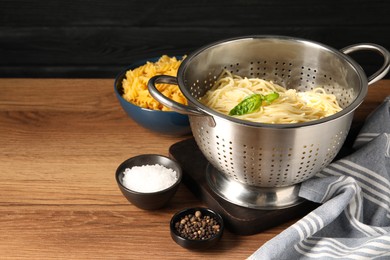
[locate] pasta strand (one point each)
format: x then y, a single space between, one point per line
291 106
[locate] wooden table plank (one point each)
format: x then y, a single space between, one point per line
61 141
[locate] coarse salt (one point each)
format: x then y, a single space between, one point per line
149 178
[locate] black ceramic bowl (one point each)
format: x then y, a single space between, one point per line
163 122
196 244
148 200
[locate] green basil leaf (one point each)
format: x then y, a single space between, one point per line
271 97
252 103
248 105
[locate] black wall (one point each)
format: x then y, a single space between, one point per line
99 38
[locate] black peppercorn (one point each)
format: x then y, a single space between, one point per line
197 227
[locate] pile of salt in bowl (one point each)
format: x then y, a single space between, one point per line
149 178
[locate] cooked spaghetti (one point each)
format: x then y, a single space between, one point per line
290 106
135 84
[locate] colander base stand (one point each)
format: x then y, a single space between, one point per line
265 198
239 220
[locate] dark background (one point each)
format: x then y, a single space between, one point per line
98 38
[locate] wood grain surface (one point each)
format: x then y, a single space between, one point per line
61 142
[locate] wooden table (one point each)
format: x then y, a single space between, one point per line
61 142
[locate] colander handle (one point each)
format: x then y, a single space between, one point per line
379 74
175 106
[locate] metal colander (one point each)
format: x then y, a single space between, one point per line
271 157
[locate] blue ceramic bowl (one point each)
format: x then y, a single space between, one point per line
164 122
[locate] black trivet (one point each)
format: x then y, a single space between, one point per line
239 220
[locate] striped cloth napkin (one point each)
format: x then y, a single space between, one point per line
353 220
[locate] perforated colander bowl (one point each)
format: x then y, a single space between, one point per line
271 155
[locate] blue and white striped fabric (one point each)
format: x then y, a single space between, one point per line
353 220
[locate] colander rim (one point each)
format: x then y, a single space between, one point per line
208 111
